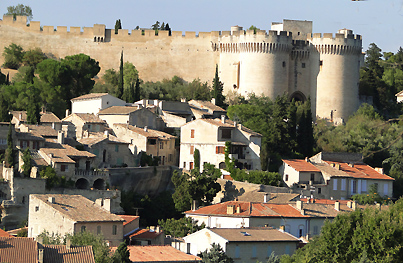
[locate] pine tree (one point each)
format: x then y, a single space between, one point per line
9 156
119 92
118 25
33 112
122 254
27 166
218 87
162 26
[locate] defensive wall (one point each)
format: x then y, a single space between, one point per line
289 59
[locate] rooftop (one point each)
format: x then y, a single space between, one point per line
64 152
18 249
90 96
267 234
359 171
301 165
46 117
78 208
145 234
89 118
149 133
128 218
60 253
207 105
122 110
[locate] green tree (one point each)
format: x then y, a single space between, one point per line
215 255
119 92
3 79
49 173
27 166
99 246
180 227
33 57
217 90
20 10
196 156
25 74
118 25
5 116
13 56
137 90
122 254
33 109
10 151
156 26
252 27
305 138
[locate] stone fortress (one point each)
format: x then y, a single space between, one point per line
288 58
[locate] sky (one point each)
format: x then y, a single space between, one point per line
378 21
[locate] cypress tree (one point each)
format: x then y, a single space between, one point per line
218 87
27 166
118 25
196 156
4 109
9 156
305 137
33 112
137 90
119 92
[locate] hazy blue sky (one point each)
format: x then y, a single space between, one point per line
378 21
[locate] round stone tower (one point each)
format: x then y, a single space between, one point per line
255 62
340 59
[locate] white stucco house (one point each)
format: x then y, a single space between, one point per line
94 102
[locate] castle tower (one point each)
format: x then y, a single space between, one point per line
255 62
340 59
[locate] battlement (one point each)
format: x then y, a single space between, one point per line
333 36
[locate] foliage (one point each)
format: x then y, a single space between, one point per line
10 151
33 110
13 56
217 90
33 57
148 160
49 173
27 166
201 187
5 116
23 233
122 254
99 246
372 197
370 233
180 227
215 255
20 10
196 157
149 208
252 27
305 139
118 25
119 92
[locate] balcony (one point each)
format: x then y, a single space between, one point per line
79 172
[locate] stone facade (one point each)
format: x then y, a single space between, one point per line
288 58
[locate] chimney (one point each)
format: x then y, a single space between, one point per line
299 205
51 199
308 200
235 123
40 255
107 204
332 165
354 205
106 133
266 197
20 116
183 100
145 128
238 209
378 206
337 205
213 101
337 165
230 209
351 165
379 170
60 137
67 112
68 243
303 212
157 229
282 228
223 118
349 204
306 159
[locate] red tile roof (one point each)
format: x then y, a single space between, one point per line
145 234
128 219
90 96
4 233
18 249
361 171
158 254
60 253
301 165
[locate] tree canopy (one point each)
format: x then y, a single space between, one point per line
20 10
215 255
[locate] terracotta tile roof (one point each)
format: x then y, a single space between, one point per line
275 198
301 165
60 253
128 219
253 234
4 233
145 234
63 153
323 210
206 105
28 136
41 130
90 96
45 116
326 169
14 232
158 254
78 208
360 171
114 139
218 122
18 249
92 140
119 110
198 113
249 209
149 133
89 118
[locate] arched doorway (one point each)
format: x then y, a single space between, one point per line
99 184
298 96
82 183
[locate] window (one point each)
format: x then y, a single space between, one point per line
192 149
283 64
321 63
286 177
343 184
312 177
269 251
184 165
116 148
385 189
83 228
303 65
152 141
190 165
36 208
237 252
98 230
226 134
192 133
334 184
89 126
364 185
25 144
3 141
161 145
170 158
254 252
114 230
220 149
319 190
354 186
315 230
64 168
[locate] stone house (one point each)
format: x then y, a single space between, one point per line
94 102
153 236
244 244
71 214
4 129
81 125
152 142
109 151
137 116
335 176
297 218
209 137
47 119
206 109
